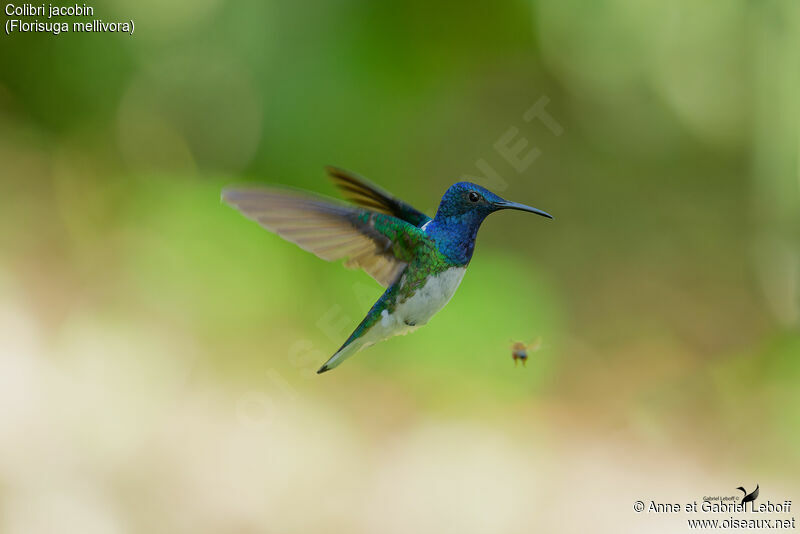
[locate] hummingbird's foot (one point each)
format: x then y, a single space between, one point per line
409 323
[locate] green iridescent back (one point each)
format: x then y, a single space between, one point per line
413 246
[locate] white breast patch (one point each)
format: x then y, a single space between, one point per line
419 308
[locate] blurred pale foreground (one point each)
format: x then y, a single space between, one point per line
102 432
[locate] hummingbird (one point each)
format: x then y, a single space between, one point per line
420 261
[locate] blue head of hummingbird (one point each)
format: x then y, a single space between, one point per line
461 212
420 261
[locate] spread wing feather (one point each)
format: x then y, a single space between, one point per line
364 193
332 231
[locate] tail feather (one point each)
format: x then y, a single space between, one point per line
348 349
363 336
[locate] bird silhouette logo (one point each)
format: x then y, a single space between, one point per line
748 497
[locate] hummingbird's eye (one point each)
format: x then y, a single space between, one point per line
474 197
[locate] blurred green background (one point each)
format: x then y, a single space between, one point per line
157 349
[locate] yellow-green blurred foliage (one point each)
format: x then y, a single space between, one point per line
157 350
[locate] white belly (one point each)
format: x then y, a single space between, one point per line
419 308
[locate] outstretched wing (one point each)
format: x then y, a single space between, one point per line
380 244
366 194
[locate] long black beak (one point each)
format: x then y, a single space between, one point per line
506 205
